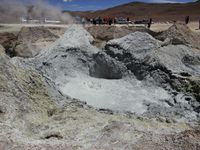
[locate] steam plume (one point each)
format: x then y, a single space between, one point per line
12 10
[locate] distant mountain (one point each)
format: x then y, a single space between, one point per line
139 10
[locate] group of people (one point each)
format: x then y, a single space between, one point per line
110 21
98 21
101 21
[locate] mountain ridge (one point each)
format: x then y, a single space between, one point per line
141 10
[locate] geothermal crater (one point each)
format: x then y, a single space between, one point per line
131 74
141 91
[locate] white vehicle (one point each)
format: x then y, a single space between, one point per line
52 21
122 20
23 20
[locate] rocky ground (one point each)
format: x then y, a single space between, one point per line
181 34
136 92
29 41
103 34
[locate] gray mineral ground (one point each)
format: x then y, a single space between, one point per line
73 88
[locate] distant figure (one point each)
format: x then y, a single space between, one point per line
110 21
115 20
149 23
104 20
94 21
100 20
199 24
87 20
83 21
150 20
187 19
128 20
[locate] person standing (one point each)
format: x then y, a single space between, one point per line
199 24
149 23
110 21
94 21
83 21
128 20
187 19
115 20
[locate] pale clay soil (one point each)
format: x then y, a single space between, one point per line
157 27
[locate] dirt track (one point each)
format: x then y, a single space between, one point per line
155 27
164 26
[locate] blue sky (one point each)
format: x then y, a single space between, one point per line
99 4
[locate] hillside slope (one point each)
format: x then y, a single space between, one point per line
158 11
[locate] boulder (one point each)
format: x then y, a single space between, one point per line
73 48
106 67
142 54
32 39
180 33
8 40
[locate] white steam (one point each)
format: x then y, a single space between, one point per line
12 10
